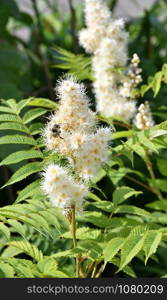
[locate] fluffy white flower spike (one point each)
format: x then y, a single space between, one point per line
92 153
144 118
72 116
72 132
62 190
107 39
97 18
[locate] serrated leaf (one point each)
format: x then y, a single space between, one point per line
24 172
131 209
5 230
33 114
131 247
123 193
12 104
112 248
42 102
28 248
6 109
17 139
47 266
127 269
36 128
41 221
13 126
158 205
10 252
84 233
20 156
21 104
29 190
162 166
9 118
117 175
7 270
152 240
96 218
18 227
104 205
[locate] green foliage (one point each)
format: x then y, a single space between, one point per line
124 225
155 82
73 63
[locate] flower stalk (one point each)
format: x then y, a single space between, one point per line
73 232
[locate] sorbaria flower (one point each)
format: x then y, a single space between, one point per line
62 189
107 40
143 119
72 131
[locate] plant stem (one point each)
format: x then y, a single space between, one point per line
73 232
73 26
152 175
140 183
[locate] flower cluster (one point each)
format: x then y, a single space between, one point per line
107 39
73 116
72 131
143 119
132 78
97 18
63 190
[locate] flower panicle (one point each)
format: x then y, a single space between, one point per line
143 119
72 131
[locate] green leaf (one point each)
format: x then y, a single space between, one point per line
122 134
91 248
162 166
28 248
10 252
42 102
127 270
160 183
96 218
20 156
13 126
5 230
36 128
21 104
152 240
121 194
47 266
156 84
158 205
117 175
10 118
18 227
78 65
12 104
104 205
7 270
112 248
17 139
6 109
33 114
29 190
24 172
131 209
131 247
84 233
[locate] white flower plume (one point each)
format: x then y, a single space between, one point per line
143 119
